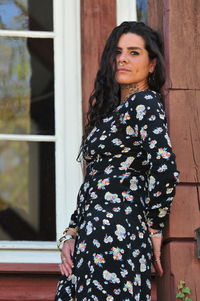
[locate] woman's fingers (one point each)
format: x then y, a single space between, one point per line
61 269
68 259
65 269
158 267
67 263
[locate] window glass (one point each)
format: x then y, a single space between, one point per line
26 15
26 86
27 191
142 10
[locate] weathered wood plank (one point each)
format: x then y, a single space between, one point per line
155 14
186 208
29 268
184 123
98 18
184 40
27 288
182 45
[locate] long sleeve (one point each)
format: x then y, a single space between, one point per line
75 217
147 113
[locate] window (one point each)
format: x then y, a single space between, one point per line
40 125
142 10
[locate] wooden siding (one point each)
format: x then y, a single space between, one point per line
28 282
184 115
177 22
98 18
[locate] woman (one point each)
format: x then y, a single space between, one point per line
130 179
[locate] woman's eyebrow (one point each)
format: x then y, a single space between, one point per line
131 48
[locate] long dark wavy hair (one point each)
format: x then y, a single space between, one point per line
106 94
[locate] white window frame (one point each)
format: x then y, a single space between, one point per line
68 129
126 11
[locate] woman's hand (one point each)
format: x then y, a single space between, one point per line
156 242
156 239
66 257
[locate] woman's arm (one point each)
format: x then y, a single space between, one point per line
147 112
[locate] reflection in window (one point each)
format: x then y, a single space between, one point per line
142 10
26 86
27 190
26 15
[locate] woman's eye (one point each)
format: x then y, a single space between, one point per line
117 52
134 53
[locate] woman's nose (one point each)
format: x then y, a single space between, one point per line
122 58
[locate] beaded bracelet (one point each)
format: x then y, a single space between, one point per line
156 234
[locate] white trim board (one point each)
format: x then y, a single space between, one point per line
126 11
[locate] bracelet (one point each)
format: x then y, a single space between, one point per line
74 230
63 239
156 234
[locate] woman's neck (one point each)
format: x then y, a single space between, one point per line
128 89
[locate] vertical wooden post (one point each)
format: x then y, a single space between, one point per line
178 22
98 18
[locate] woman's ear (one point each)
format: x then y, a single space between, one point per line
152 65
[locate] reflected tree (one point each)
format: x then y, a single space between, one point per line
142 10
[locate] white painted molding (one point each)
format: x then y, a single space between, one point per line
126 11
40 138
25 33
29 252
28 245
31 256
69 111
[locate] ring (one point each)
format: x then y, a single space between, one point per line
63 259
157 259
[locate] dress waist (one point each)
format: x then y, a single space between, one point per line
116 166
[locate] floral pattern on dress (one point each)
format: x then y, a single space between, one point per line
130 183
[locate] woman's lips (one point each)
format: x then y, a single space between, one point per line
123 70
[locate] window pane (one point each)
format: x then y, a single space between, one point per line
26 15
26 86
142 11
27 191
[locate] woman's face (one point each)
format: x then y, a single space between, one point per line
132 61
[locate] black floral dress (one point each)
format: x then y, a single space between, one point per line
130 183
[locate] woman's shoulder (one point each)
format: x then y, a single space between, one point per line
146 95
145 98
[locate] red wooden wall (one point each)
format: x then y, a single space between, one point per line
28 282
179 23
98 18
